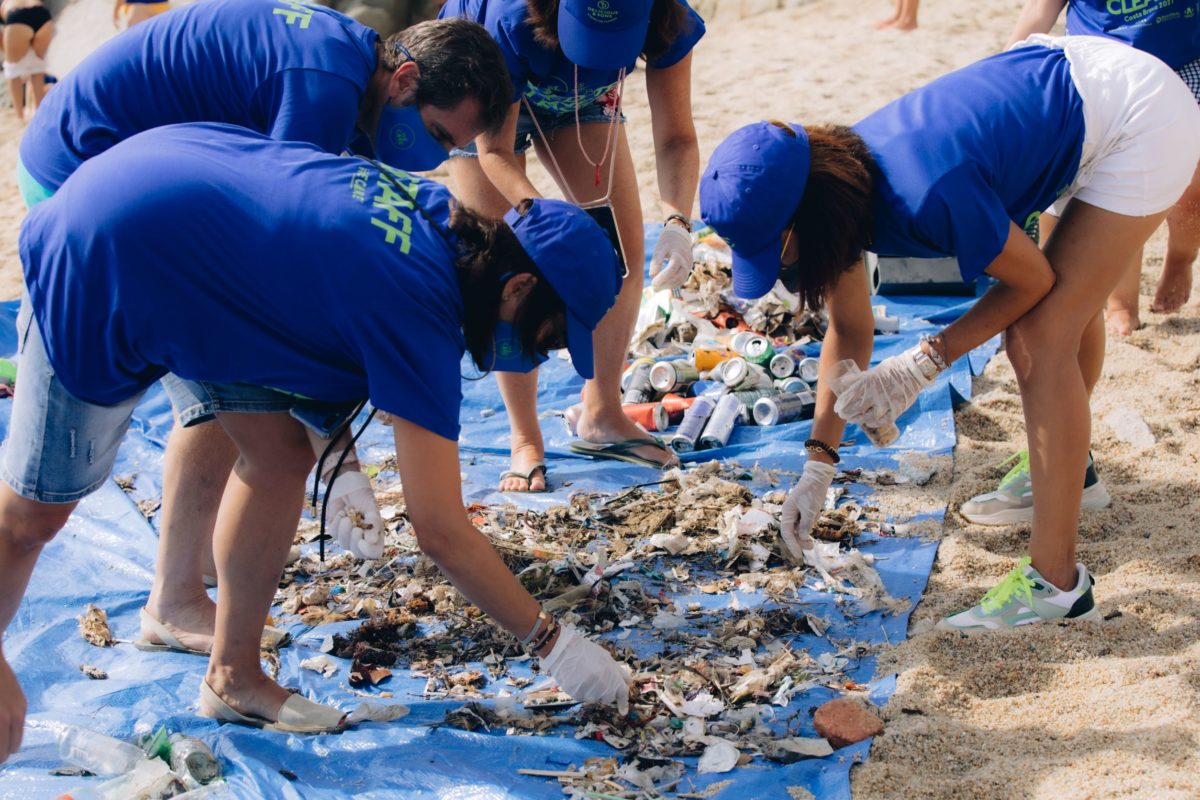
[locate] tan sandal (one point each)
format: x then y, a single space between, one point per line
272 638
296 715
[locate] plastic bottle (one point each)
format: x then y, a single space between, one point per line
96 752
844 375
193 757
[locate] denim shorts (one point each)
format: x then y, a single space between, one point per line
596 112
195 402
59 449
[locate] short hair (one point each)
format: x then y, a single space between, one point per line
459 60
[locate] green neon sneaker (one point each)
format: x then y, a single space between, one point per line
1012 502
1025 597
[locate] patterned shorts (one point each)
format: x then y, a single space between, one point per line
1190 72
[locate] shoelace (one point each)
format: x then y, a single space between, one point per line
1021 468
1015 582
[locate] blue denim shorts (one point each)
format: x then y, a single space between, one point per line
195 402
596 112
59 449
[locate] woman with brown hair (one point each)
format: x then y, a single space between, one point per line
568 60
947 171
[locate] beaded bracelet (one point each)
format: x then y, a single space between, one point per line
545 637
817 446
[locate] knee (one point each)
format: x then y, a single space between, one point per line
28 524
288 461
1031 346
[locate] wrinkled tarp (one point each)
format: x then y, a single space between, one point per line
105 556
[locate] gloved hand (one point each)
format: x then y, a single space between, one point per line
881 394
354 516
802 509
586 671
672 260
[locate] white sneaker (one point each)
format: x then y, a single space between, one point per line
1012 502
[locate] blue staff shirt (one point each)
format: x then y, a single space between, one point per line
544 75
268 263
286 69
996 141
1169 29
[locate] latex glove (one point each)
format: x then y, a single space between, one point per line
586 671
881 394
802 509
355 520
672 260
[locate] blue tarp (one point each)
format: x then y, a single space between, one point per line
105 556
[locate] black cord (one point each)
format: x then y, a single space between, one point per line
337 466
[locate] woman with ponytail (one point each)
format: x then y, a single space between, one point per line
241 294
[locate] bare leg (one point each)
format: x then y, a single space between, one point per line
890 21
25 528
16 88
255 527
17 41
196 469
907 20
519 391
602 419
1183 242
1122 313
1089 252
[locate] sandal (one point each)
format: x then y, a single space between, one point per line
528 478
272 638
622 451
296 715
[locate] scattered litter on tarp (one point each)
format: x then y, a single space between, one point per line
93 627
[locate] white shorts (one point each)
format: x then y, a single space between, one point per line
29 65
1140 142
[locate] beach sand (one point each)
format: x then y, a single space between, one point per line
1092 710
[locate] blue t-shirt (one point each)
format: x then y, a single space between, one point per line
1169 29
545 75
286 69
998 140
268 263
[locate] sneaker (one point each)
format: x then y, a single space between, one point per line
1025 597
1012 502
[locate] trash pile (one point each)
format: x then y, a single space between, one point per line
712 679
165 765
707 360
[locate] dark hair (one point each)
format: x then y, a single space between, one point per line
458 59
488 249
832 225
667 18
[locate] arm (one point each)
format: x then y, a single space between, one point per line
676 150
851 335
1038 16
1024 276
500 162
115 13
429 472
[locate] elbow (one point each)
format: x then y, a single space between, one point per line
1040 285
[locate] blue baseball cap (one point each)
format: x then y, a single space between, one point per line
603 34
748 194
576 256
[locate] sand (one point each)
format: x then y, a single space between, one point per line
1104 710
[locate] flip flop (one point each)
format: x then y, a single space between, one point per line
167 642
528 478
296 715
621 451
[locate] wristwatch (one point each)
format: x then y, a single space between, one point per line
924 363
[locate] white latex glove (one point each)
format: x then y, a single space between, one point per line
672 260
802 509
586 671
354 516
881 394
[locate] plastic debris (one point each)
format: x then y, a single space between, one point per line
1130 426
93 627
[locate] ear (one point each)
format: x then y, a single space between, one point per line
402 85
517 288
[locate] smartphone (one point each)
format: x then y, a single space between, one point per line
602 212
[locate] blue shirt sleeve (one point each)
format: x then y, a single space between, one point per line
305 105
963 215
693 31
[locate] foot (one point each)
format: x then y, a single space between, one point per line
1012 501
1121 322
606 427
1025 597
524 459
191 621
906 25
252 694
1173 291
884 23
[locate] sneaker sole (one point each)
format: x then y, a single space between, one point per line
1095 497
1091 615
